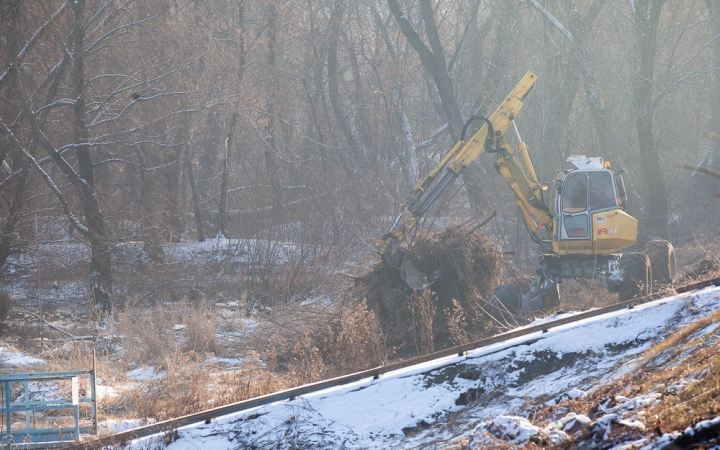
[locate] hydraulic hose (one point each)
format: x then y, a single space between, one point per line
490 134
444 182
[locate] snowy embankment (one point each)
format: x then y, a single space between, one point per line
458 399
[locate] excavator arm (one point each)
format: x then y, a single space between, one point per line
522 180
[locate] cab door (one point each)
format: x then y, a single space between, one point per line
574 214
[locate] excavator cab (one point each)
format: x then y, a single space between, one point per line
584 193
588 210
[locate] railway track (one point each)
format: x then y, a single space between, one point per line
291 394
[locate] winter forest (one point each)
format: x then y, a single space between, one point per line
309 121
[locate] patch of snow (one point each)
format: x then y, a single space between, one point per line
631 445
230 362
10 359
179 326
677 386
661 442
145 373
518 429
227 305
690 431
111 426
575 393
102 392
605 422
555 436
44 390
638 402
570 421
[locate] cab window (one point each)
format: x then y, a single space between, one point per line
574 196
601 194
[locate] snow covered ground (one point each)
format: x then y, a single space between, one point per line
13 360
464 399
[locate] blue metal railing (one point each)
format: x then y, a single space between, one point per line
36 438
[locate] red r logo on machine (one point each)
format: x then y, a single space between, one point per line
602 231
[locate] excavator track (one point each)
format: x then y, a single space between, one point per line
209 415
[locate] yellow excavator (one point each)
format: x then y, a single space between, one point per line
580 230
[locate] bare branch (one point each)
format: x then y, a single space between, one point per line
550 18
49 181
38 33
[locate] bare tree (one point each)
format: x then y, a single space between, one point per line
433 59
576 34
647 18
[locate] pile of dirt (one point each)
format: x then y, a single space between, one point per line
453 309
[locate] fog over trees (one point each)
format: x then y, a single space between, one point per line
310 120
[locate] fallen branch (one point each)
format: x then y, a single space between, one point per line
703 169
484 222
75 338
155 289
51 325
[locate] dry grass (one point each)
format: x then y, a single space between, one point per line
423 309
190 382
251 380
155 333
200 327
675 342
686 360
582 294
457 324
183 388
147 334
700 398
314 353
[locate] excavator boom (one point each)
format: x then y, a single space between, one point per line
522 180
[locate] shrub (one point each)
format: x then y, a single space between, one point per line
200 327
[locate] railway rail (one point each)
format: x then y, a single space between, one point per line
291 394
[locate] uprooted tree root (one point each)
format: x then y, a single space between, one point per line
454 308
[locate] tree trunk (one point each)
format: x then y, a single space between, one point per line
347 123
712 154
560 92
576 34
647 17
197 212
270 142
173 176
240 42
100 267
150 221
222 209
410 152
434 62
14 213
